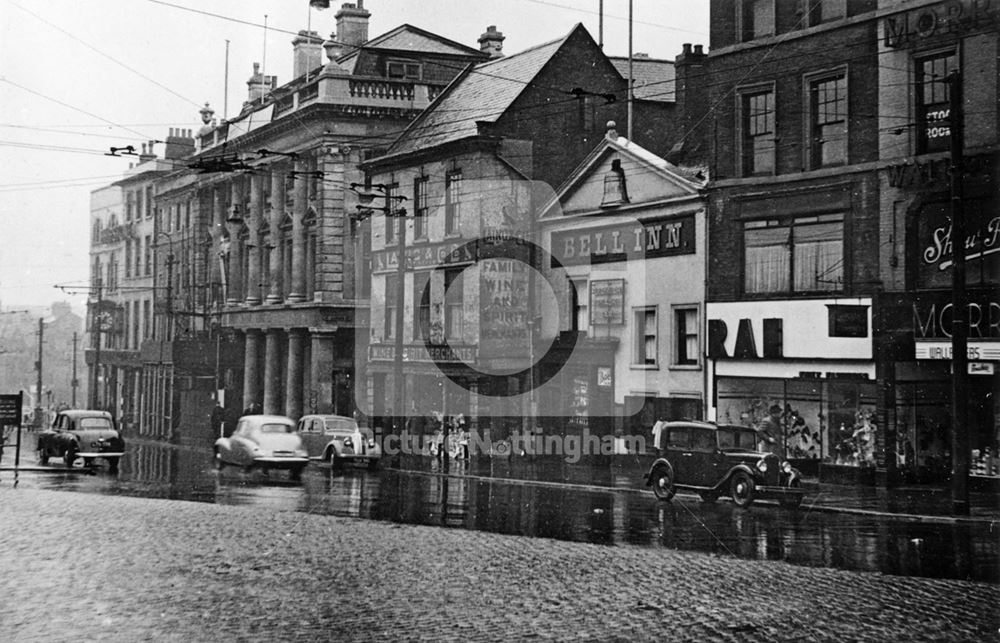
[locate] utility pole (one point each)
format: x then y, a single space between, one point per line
96 340
959 309
74 382
38 367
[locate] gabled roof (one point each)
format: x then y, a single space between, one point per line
483 93
653 79
674 182
414 39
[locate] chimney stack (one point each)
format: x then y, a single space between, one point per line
491 42
307 48
180 143
352 25
259 85
147 152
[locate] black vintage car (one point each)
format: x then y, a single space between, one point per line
714 460
82 434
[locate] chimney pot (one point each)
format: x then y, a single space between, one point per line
698 50
491 42
687 48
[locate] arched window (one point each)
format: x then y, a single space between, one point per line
311 223
246 249
286 255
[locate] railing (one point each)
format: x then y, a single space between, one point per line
382 89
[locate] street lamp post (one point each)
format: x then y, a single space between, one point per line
365 210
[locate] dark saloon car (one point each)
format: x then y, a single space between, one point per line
82 434
720 459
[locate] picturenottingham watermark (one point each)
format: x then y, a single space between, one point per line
529 444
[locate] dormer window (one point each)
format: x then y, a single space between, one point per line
401 69
615 189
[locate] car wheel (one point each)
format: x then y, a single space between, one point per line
296 473
708 497
113 465
742 489
336 462
88 462
792 502
43 456
69 456
662 481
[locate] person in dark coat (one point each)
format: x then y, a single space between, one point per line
217 419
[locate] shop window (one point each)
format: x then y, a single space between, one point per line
821 11
401 69
645 337
453 318
755 18
685 336
452 201
827 142
805 255
420 207
933 96
422 307
391 282
756 132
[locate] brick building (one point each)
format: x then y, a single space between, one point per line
794 222
919 45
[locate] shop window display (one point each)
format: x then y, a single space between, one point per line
832 421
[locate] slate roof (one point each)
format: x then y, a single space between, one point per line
482 93
653 78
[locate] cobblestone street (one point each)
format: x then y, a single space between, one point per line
89 567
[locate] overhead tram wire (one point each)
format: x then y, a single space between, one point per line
108 56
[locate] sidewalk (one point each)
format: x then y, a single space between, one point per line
915 502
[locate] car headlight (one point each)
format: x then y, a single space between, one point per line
786 466
762 466
371 444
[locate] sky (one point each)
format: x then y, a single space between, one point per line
80 76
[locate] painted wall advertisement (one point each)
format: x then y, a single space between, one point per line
503 319
935 243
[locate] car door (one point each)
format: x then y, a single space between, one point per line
310 430
677 449
704 458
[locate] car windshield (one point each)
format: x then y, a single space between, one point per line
277 428
737 438
94 423
340 424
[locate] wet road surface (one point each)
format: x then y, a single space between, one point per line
550 510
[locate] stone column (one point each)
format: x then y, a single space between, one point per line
321 369
234 295
253 275
251 365
277 210
299 208
272 372
293 381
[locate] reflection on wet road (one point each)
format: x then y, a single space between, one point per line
610 516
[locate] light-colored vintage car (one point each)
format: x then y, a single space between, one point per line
338 439
82 434
263 441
